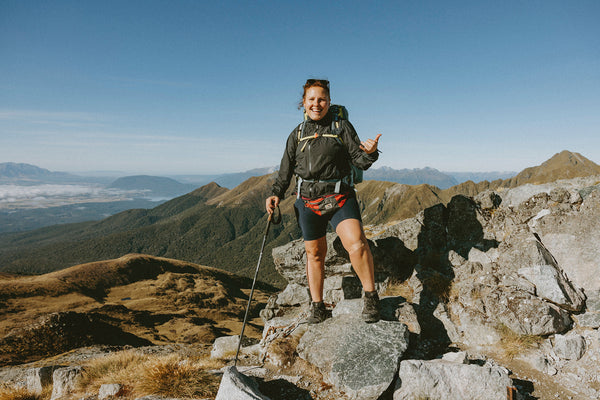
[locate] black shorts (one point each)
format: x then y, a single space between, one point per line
314 226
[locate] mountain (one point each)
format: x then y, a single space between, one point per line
187 228
152 186
27 173
220 227
133 300
230 180
480 176
417 176
563 165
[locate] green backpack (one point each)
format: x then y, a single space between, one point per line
339 113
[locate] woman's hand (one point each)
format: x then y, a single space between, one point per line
370 146
272 202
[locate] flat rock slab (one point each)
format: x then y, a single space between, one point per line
357 358
237 386
443 380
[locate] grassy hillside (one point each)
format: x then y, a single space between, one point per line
226 234
134 300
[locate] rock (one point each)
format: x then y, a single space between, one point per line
570 346
487 257
593 300
459 357
392 308
525 314
36 379
553 286
488 199
572 238
64 380
337 288
237 386
293 295
591 318
109 390
357 358
588 320
445 380
226 346
527 255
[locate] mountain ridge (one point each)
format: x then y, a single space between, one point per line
221 227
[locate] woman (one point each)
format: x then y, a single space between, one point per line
320 156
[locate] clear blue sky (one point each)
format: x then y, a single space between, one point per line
167 87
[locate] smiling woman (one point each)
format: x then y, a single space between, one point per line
321 152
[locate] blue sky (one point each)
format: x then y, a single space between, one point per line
167 87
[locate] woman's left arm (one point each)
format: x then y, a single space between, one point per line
362 154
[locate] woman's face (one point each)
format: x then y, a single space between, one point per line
316 102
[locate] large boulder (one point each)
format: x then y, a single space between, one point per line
444 380
237 386
64 381
36 379
357 358
572 238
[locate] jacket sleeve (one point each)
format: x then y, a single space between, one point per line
358 157
286 168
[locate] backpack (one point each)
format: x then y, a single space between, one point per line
339 113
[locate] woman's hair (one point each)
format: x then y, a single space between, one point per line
323 83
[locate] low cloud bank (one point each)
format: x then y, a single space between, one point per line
17 196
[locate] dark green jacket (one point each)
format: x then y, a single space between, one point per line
321 158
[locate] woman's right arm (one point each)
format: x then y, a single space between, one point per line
286 171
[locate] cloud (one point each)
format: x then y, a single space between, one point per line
49 194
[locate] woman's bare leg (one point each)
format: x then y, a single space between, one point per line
316 250
353 238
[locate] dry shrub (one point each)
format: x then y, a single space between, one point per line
282 351
119 367
397 287
513 343
174 376
18 393
171 375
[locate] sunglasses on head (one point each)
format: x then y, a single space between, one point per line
321 81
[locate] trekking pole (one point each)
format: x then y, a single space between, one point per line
274 220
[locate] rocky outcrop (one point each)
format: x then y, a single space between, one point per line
444 380
64 381
477 272
357 358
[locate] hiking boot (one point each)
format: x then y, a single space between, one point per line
318 313
370 312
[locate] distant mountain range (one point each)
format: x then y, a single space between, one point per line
153 186
223 228
27 174
417 176
477 177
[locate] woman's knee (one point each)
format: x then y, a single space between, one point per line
358 246
316 250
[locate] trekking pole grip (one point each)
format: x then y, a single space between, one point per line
275 218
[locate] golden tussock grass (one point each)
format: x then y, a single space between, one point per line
12 393
399 288
170 375
513 344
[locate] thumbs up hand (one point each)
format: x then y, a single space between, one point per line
370 145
